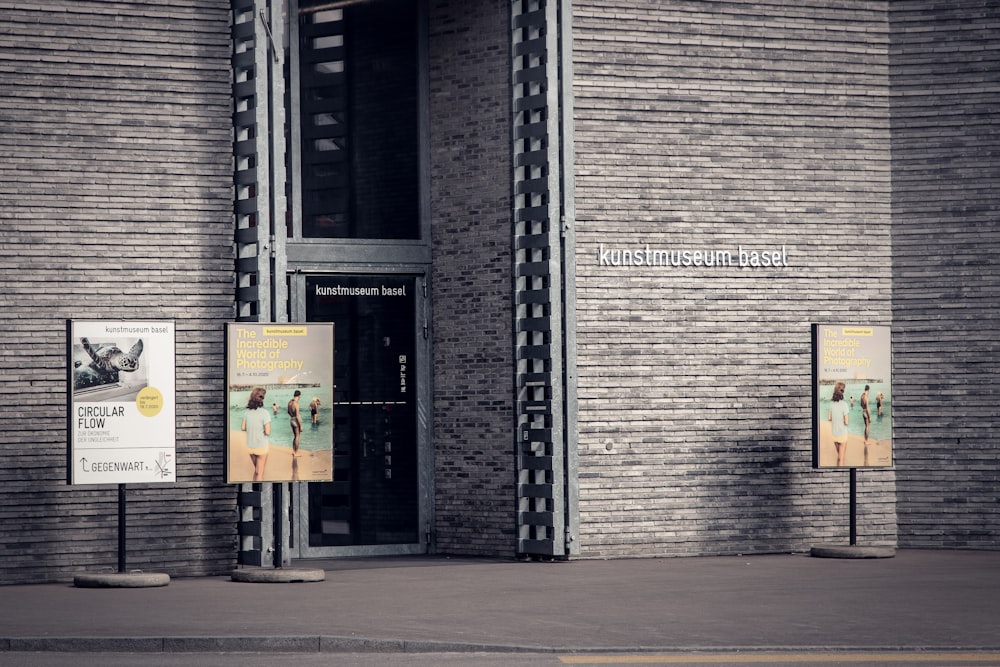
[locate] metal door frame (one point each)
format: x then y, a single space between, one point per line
299 508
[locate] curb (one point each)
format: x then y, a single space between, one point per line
335 644
254 644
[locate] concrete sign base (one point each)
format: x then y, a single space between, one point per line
121 580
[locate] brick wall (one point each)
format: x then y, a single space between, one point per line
115 203
705 126
471 209
946 276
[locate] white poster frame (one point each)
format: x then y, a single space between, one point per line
121 402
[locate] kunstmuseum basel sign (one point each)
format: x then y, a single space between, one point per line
646 256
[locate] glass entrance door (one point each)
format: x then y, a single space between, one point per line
373 505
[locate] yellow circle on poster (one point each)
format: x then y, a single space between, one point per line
149 401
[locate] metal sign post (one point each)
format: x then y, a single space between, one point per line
279 528
121 528
854 506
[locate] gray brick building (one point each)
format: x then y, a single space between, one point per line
513 166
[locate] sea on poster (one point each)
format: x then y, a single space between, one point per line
279 418
121 414
852 367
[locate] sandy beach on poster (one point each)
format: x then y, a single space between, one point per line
309 466
879 451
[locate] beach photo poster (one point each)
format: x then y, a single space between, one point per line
279 416
121 379
852 396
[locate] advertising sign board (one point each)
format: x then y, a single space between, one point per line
121 414
279 380
852 396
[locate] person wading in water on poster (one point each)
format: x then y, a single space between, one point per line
314 409
295 421
866 414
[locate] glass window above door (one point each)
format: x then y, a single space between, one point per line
355 104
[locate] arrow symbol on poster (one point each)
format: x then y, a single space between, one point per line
83 464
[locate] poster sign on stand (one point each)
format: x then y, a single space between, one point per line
852 396
279 380
121 413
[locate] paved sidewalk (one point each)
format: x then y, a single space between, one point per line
916 600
